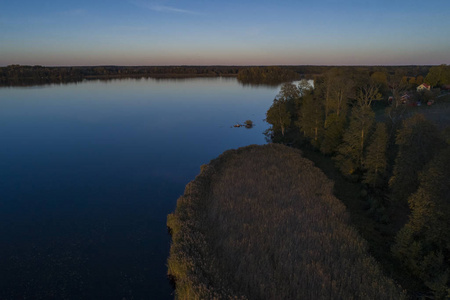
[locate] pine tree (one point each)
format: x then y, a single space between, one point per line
333 132
375 159
334 89
290 93
278 116
311 118
423 244
350 153
418 141
283 108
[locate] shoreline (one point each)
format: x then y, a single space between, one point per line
28 81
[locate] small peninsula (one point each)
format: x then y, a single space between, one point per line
261 222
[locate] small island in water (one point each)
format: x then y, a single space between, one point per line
261 222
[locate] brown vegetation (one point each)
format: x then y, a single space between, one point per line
261 222
383 157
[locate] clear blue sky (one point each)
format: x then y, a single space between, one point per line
210 32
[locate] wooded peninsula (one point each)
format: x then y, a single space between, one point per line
265 222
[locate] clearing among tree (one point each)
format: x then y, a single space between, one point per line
261 222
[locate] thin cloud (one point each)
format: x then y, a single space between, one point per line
163 8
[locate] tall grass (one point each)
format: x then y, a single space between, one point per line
261 222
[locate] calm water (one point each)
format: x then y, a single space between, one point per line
89 172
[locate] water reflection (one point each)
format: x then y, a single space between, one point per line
90 170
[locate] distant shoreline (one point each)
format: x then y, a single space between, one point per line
33 82
159 76
23 75
17 75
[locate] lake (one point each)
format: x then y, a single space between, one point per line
89 172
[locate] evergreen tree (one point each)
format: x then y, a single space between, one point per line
290 94
335 89
423 245
375 160
341 91
418 141
278 116
333 131
311 117
350 158
396 110
283 108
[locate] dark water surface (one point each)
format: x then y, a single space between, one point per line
89 172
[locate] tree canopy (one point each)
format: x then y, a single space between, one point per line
266 75
418 141
375 161
423 245
438 75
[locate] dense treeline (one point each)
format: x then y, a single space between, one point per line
26 75
31 75
423 244
438 75
266 75
390 151
311 71
261 222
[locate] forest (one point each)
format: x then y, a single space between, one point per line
19 75
24 75
266 75
261 222
373 133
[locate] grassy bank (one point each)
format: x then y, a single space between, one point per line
261 222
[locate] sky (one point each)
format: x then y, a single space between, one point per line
233 32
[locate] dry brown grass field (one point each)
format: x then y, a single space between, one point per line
261 222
